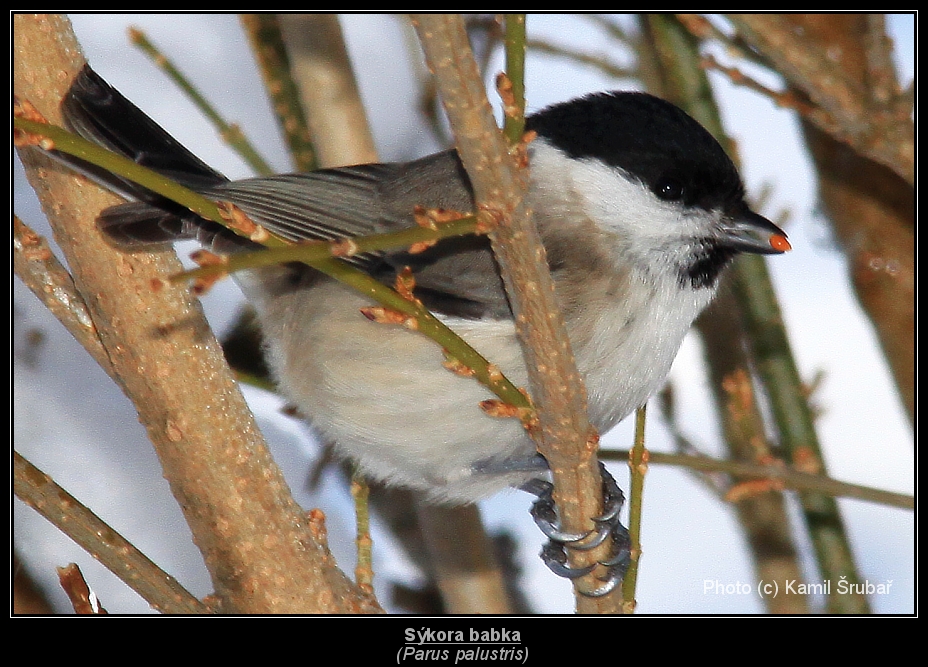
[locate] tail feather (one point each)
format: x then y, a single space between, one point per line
140 223
98 112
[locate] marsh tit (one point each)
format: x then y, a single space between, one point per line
639 209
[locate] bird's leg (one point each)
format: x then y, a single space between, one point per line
608 526
534 463
544 512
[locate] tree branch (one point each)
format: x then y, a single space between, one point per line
807 64
117 554
39 269
341 135
332 103
564 435
256 541
267 43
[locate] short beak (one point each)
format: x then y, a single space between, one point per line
750 232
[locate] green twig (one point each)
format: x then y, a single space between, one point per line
59 139
795 424
638 464
765 334
418 317
514 40
263 31
231 133
363 571
789 478
313 251
421 320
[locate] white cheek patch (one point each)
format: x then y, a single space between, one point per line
611 197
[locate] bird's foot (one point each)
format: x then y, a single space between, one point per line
607 526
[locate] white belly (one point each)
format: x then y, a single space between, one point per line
381 395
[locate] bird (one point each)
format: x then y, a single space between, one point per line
639 210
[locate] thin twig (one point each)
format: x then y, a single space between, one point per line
363 571
638 460
599 62
230 132
75 586
704 30
41 272
51 137
264 33
514 99
313 251
790 478
786 99
612 28
117 554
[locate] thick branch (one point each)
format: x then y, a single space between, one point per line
341 135
320 65
564 436
824 70
257 543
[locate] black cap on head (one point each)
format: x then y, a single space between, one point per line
650 139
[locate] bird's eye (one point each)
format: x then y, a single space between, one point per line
669 189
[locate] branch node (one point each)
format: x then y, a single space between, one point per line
24 109
203 284
239 222
343 248
405 284
383 315
457 367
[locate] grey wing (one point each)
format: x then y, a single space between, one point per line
457 276
327 204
